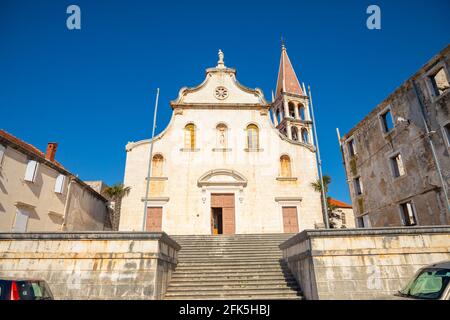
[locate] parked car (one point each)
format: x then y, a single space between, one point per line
24 289
430 283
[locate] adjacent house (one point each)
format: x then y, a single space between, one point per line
397 158
38 194
342 215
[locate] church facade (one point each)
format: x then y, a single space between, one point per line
229 162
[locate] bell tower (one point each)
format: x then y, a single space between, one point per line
290 106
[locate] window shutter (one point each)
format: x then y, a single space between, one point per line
2 152
20 224
59 185
30 173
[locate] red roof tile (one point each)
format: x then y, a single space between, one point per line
340 204
24 145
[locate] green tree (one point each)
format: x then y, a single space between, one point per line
115 193
317 186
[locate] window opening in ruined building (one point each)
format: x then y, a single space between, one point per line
386 121
408 214
351 147
397 166
440 82
363 222
358 186
446 129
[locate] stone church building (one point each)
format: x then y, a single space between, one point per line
229 162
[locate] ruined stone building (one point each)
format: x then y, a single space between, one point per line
397 158
228 162
38 194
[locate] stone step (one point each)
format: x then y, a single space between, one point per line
232 293
222 268
230 251
232 254
233 257
232 286
232 267
231 239
233 278
230 263
231 274
202 245
230 247
237 283
237 235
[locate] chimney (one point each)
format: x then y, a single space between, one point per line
51 151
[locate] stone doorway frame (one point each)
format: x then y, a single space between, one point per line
223 181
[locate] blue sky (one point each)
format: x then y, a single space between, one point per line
93 90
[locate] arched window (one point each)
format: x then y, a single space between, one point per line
189 136
294 133
222 135
252 136
305 136
301 111
285 166
157 165
291 106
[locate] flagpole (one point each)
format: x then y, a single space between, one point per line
319 161
146 196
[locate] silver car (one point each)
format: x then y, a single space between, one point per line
430 283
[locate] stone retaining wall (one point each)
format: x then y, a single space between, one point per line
85 265
362 263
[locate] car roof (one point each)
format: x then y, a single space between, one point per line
441 264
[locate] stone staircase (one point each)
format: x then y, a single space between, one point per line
232 267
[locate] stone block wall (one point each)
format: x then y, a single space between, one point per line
362 263
84 265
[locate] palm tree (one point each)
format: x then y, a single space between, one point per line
115 193
317 186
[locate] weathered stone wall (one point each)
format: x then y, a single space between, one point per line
106 265
362 263
382 192
86 211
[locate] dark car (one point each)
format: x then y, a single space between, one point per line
24 289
